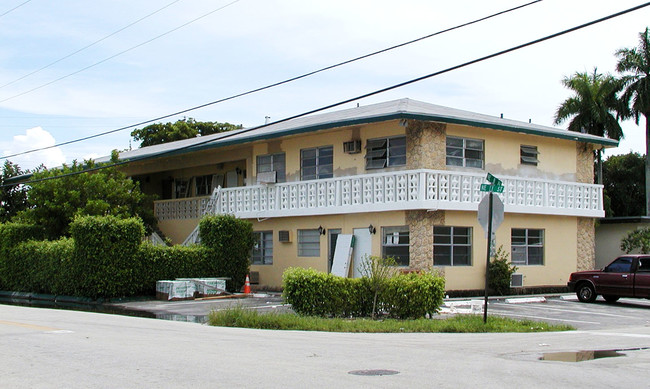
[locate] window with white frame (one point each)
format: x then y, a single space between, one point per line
527 246
528 155
203 184
181 188
308 243
317 163
395 244
262 248
465 152
452 246
272 163
386 152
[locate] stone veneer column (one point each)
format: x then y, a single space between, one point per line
586 234
425 149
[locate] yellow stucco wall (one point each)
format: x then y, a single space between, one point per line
286 254
557 157
559 250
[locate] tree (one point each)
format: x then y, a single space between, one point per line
623 178
61 194
13 198
592 108
637 240
158 133
634 64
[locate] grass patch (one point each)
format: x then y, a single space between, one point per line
241 317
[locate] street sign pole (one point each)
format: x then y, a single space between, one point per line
487 264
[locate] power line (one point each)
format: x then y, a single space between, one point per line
395 86
88 46
272 85
120 53
15 8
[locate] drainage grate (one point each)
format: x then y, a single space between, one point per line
373 372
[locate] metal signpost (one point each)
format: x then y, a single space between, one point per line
489 204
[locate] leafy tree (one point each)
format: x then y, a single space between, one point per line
592 108
638 240
13 198
624 181
158 133
634 64
62 194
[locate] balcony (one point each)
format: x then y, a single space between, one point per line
401 190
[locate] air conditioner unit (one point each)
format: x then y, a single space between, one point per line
284 236
267 177
352 147
517 280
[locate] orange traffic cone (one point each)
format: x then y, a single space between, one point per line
247 285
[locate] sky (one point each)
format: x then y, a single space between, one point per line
71 69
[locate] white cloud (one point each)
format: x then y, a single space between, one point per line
34 138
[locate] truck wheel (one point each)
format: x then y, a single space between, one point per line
611 299
586 293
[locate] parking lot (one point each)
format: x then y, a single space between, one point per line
568 310
564 309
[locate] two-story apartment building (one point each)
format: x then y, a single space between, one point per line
402 176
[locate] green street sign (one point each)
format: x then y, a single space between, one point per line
495 181
492 188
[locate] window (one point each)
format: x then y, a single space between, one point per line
620 265
308 243
385 152
316 163
203 185
272 162
452 246
528 155
181 188
262 248
464 152
527 246
395 244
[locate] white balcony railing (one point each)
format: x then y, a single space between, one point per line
401 190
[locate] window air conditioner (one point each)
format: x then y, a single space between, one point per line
284 236
517 280
267 177
352 147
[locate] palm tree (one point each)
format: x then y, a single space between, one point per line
634 64
593 107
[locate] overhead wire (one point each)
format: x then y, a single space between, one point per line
269 86
89 45
15 8
395 86
117 54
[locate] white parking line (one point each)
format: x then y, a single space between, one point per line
546 318
589 312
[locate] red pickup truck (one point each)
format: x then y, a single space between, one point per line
626 276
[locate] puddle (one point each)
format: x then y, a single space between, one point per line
580 356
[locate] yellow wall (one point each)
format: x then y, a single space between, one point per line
557 157
286 254
560 250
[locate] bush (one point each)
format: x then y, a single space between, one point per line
230 241
637 240
500 272
311 292
414 295
45 265
104 255
12 267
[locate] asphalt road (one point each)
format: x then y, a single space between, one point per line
46 348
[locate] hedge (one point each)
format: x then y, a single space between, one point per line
315 293
106 257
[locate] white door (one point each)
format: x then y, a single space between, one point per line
362 248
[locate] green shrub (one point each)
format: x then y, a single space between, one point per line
315 293
500 272
230 241
637 240
105 250
12 268
413 295
45 266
